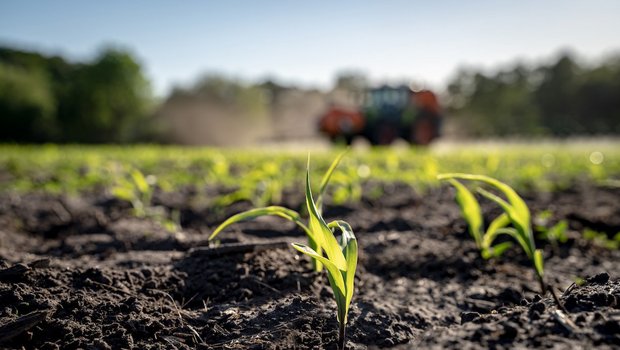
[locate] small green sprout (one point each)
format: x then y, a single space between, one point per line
340 260
580 281
601 239
555 234
138 191
338 256
516 213
472 214
288 214
259 186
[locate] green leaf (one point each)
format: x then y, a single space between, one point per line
523 229
318 267
508 209
539 262
512 196
351 251
519 238
139 180
335 276
558 232
497 250
470 210
516 210
348 243
345 229
282 212
123 193
321 233
500 222
326 178
340 300
520 213
515 207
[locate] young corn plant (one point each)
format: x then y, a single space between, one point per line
516 213
138 190
555 234
470 209
340 258
288 214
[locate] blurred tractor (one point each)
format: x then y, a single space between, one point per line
387 113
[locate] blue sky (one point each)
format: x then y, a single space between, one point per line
308 42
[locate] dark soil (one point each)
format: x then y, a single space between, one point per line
83 273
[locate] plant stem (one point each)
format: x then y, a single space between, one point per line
543 288
553 294
557 300
341 336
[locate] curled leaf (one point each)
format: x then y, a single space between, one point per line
282 212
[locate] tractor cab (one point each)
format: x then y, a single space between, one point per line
386 102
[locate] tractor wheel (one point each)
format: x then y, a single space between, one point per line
385 135
423 132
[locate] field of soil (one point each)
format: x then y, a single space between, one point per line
82 272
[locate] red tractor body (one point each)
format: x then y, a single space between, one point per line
387 113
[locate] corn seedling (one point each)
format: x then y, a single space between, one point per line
138 190
340 260
261 186
348 188
288 214
338 256
555 234
601 239
470 209
516 213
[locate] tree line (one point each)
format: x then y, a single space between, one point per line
559 99
109 99
48 99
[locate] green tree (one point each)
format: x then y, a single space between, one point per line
499 104
27 105
598 102
559 99
46 99
557 96
107 101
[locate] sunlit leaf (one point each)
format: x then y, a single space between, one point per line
518 237
139 180
325 180
123 193
539 262
470 210
558 232
321 233
497 250
499 222
282 212
519 212
351 251
348 243
338 286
